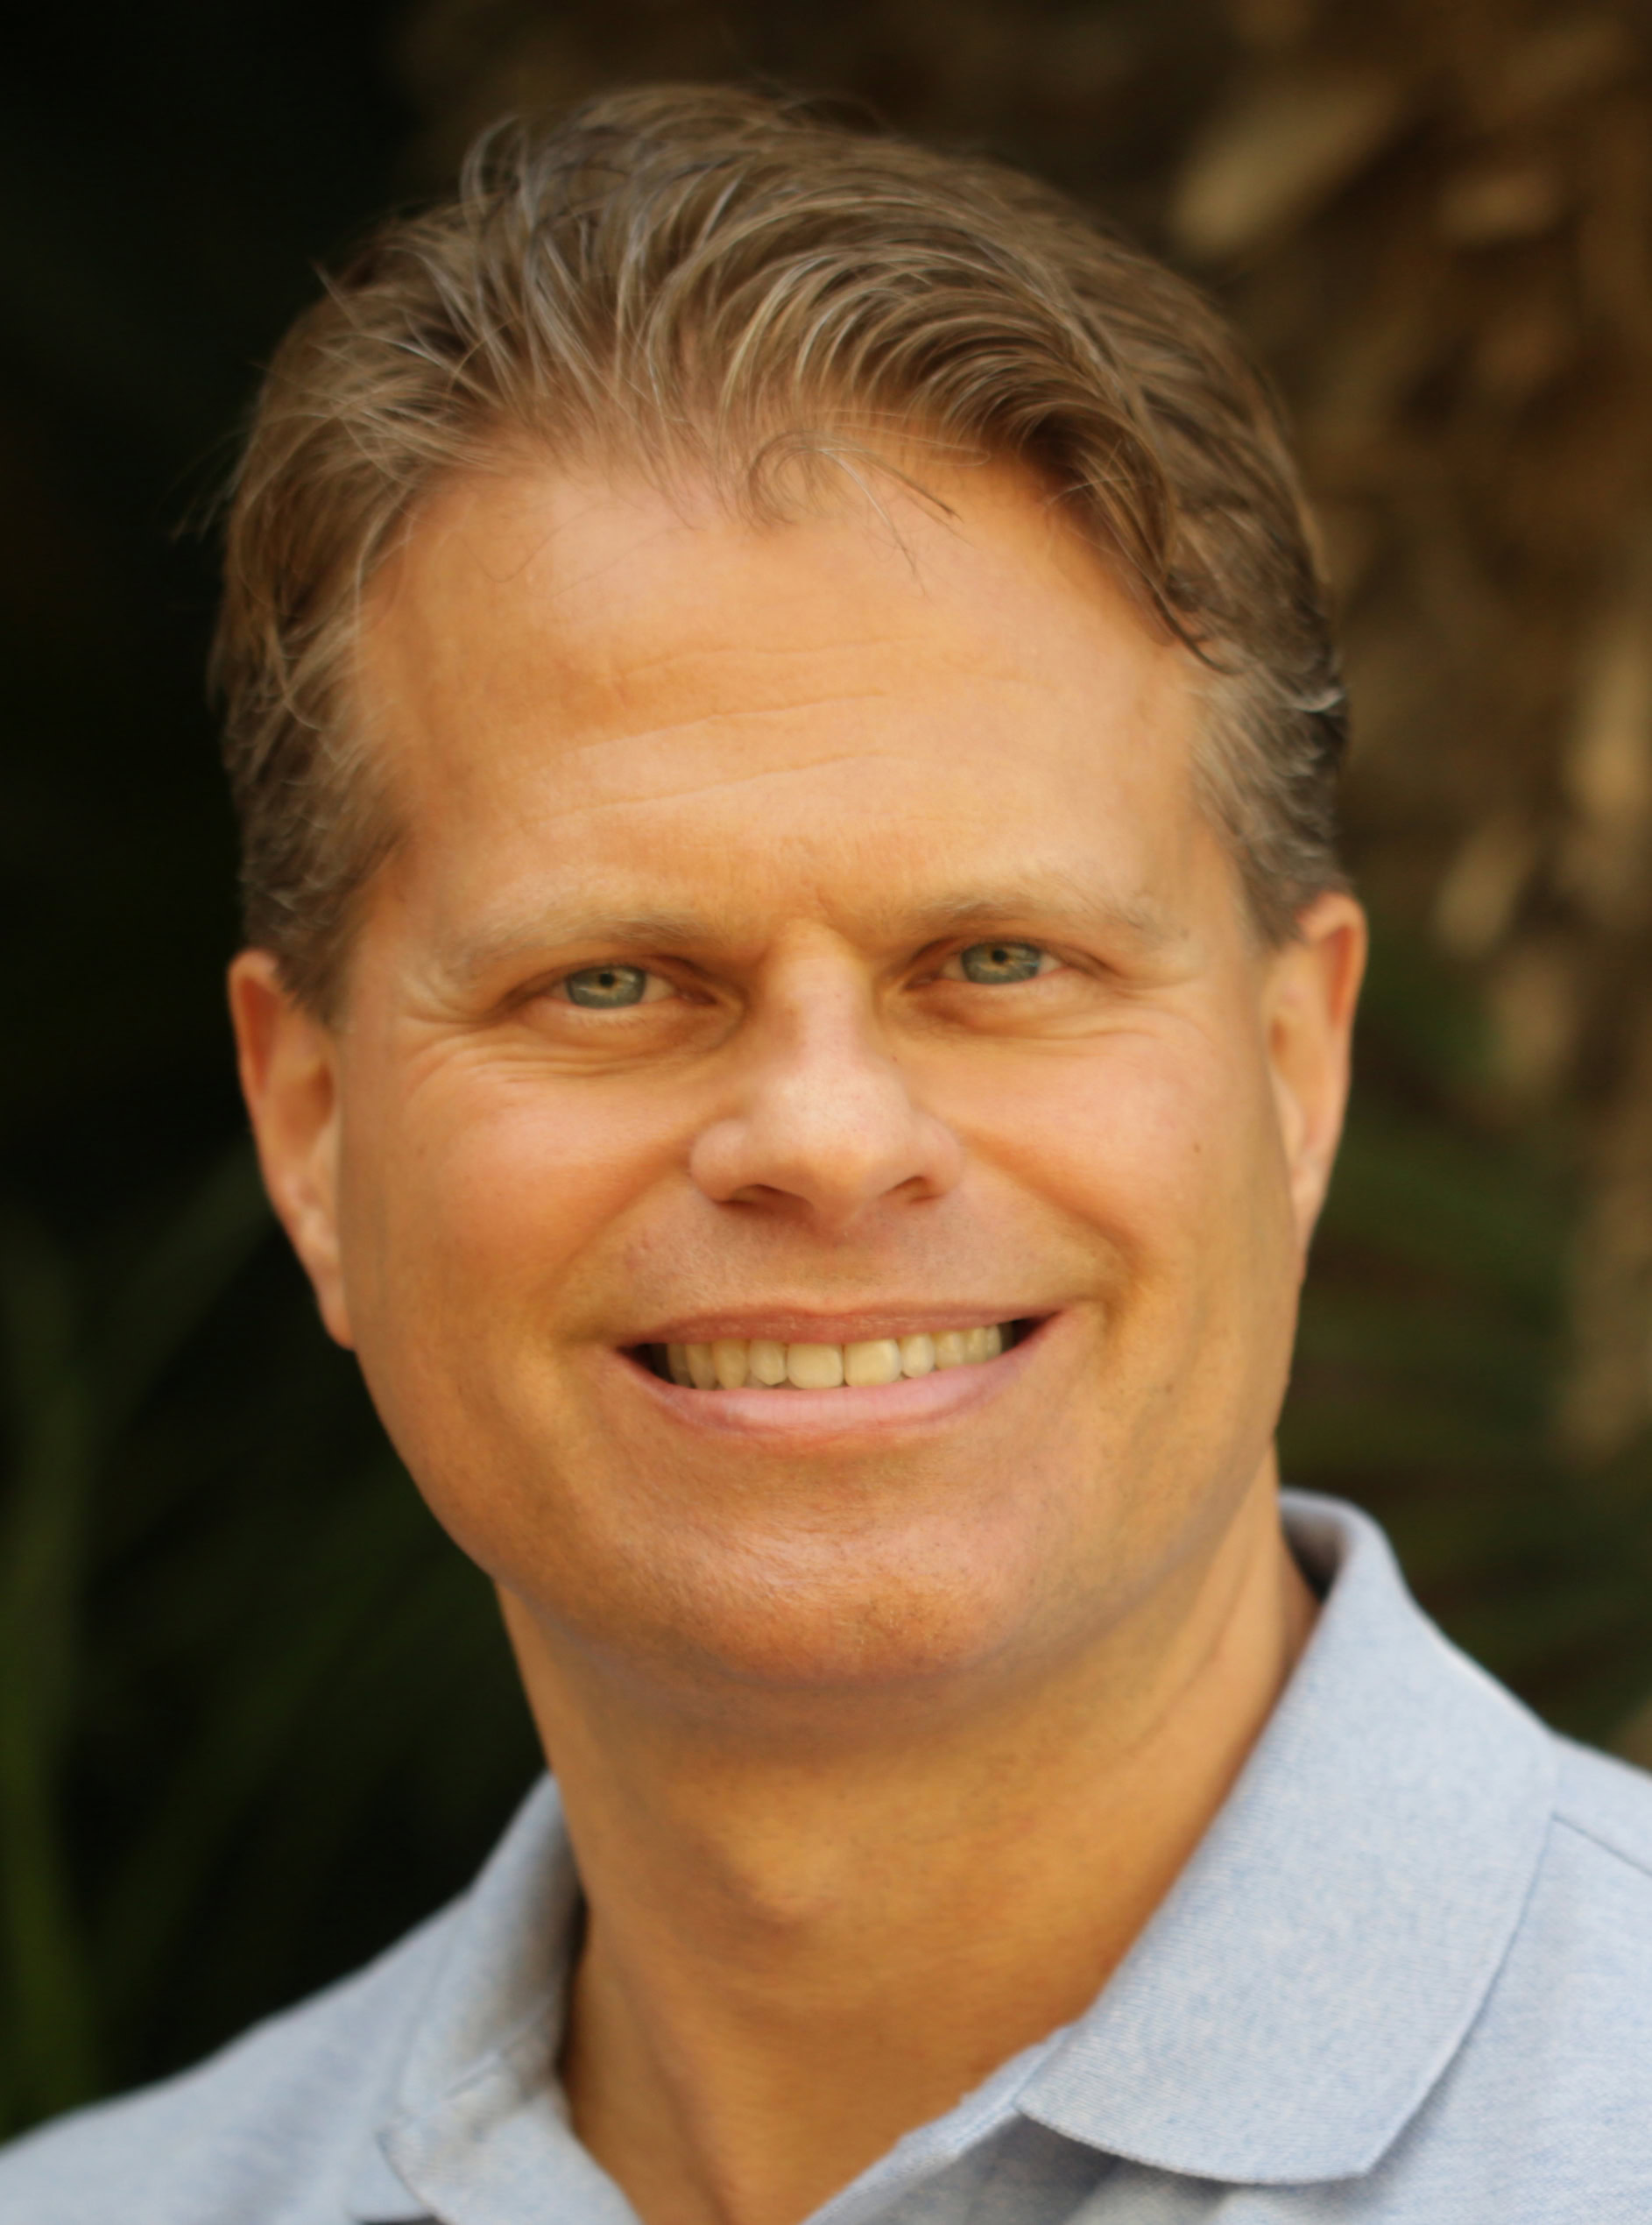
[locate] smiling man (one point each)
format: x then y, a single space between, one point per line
797 1018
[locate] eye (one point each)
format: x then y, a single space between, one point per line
993 965
609 988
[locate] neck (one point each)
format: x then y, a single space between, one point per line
795 1952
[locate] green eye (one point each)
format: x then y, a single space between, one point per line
991 964
605 988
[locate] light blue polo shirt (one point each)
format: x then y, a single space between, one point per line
1407 1976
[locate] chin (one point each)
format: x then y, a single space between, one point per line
879 1643
841 1625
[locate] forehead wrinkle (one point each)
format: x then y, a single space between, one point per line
710 721
872 743
689 792
611 664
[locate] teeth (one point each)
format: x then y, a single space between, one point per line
876 1362
815 1366
768 1361
732 1363
728 1362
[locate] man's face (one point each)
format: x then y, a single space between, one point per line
805 936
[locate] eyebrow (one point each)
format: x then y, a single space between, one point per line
1058 900
470 959
1061 898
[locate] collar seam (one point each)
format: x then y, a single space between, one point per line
505 2059
1640 1863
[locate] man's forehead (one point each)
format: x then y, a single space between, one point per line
611 723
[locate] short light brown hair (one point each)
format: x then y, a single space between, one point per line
715 280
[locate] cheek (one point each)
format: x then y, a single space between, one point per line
476 1192
1161 1142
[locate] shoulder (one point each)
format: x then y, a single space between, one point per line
268 2132
1553 2087
1581 1962
1585 1935
1609 1804
1582 1956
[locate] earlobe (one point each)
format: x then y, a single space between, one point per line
1313 993
288 1060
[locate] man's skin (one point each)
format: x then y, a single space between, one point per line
883 1717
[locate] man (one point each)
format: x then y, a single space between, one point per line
797 1017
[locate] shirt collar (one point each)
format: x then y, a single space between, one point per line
1319 1960
1280 2020
480 2070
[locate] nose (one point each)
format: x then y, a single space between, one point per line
825 1124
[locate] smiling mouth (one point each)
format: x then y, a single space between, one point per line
764 1363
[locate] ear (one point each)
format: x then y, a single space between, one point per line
1313 986
288 1062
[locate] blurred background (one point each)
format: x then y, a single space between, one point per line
255 1715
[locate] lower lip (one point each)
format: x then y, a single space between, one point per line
790 1416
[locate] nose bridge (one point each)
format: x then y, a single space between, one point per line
826 1073
818 1008
826 1117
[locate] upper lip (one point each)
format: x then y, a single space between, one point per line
794 1325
